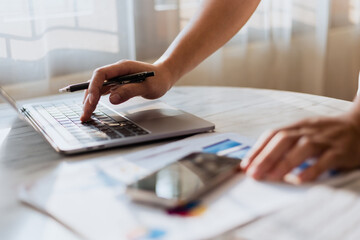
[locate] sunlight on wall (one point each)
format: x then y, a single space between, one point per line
354 11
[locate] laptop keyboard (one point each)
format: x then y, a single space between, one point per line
103 125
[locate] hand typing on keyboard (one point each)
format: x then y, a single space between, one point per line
102 125
151 88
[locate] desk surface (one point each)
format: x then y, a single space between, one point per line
25 156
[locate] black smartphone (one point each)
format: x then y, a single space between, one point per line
184 180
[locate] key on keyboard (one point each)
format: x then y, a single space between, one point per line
103 125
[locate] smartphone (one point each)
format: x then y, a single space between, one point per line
184 180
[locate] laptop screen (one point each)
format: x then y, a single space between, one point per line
9 99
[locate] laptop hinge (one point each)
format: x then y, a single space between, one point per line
30 120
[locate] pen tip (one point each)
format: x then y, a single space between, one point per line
62 90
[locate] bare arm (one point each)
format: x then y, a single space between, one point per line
213 25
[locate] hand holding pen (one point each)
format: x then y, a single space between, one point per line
152 88
131 78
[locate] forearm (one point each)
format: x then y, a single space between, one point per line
215 23
355 111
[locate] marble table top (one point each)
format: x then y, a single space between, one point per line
25 156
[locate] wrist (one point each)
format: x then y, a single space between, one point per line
354 115
170 69
355 111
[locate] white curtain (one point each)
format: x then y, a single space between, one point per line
308 46
43 41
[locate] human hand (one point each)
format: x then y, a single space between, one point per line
334 141
151 88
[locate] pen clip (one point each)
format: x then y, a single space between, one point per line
114 82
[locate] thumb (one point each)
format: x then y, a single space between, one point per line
120 94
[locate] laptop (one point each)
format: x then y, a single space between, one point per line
135 121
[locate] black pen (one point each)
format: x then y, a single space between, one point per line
132 78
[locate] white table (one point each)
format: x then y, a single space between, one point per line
242 110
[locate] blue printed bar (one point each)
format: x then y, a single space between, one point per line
239 154
220 146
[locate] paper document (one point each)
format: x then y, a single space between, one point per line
323 213
89 197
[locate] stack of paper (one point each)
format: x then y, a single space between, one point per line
89 197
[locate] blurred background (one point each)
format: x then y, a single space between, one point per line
310 46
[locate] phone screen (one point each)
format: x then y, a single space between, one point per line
185 178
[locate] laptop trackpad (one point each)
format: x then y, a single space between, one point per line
160 120
153 114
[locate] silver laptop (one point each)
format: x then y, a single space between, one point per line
137 120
